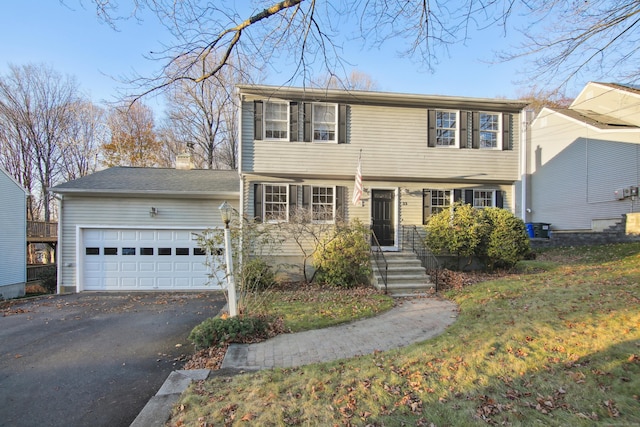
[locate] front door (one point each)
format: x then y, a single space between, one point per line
382 221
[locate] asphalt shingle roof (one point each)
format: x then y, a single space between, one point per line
132 180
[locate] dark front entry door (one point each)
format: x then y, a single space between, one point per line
382 216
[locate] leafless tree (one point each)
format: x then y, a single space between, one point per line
133 139
356 80
564 37
36 108
85 133
203 116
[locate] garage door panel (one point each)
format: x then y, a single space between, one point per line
129 259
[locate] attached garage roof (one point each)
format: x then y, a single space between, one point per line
155 181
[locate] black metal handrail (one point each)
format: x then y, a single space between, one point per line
416 243
378 256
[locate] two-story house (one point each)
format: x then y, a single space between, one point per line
299 149
583 161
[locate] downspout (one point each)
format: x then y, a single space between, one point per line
59 246
240 175
524 160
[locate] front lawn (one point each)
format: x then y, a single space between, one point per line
557 347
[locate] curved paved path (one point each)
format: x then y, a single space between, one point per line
411 320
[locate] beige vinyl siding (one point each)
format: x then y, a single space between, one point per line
393 141
131 212
13 238
409 200
575 170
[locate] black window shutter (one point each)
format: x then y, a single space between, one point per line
468 197
342 124
463 129
257 119
293 198
306 197
307 121
431 124
457 196
426 205
475 133
341 214
257 202
506 131
499 199
293 120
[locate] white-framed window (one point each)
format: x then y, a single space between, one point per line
483 198
276 120
446 128
325 122
275 202
490 135
323 206
440 200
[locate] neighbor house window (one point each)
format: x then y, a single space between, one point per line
275 203
276 120
489 130
324 122
446 128
483 198
322 204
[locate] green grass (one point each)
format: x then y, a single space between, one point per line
314 307
559 347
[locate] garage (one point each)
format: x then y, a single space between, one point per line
143 259
122 259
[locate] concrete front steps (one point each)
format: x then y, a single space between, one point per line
405 275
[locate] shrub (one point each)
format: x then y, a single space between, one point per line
494 235
342 259
217 331
458 231
256 275
506 242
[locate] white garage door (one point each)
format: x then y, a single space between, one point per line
132 259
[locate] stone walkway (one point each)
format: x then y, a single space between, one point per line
412 320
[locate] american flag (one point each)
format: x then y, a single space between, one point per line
357 187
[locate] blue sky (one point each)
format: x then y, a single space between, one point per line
72 40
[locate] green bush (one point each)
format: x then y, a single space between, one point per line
256 275
343 258
494 235
217 331
506 242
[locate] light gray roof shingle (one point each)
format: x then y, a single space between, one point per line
132 180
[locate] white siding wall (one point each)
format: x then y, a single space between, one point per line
393 141
131 212
575 171
13 232
621 104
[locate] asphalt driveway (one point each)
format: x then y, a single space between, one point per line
93 358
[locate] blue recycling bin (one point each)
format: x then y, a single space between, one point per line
530 231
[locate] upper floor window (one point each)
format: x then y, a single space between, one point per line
446 128
489 130
275 203
322 204
324 122
276 120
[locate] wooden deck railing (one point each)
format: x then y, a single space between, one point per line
40 271
42 229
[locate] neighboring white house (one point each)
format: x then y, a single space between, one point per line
128 228
584 161
13 237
